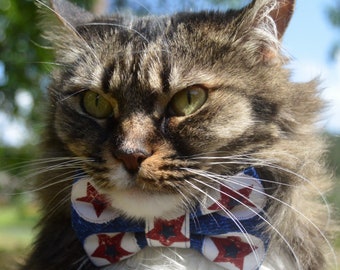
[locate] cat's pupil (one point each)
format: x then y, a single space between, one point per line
96 105
189 97
97 100
188 101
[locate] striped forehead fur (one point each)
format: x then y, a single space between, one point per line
73 41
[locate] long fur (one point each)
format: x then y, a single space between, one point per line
253 116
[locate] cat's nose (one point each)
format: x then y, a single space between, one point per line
131 159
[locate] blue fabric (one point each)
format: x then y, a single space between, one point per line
201 225
207 225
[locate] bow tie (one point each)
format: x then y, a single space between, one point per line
225 227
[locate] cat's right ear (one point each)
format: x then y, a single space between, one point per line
60 19
263 24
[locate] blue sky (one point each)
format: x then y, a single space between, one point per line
309 34
308 41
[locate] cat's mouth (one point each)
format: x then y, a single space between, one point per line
146 198
145 193
151 177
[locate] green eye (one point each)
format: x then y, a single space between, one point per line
97 106
188 101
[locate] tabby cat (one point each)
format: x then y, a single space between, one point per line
179 142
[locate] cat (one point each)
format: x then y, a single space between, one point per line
173 128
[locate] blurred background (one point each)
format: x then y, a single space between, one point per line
312 41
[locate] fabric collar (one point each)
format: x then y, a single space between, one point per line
233 238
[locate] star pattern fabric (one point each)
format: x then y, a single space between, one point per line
230 198
233 241
232 249
110 248
95 198
168 232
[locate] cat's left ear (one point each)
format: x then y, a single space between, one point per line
59 14
60 20
69 14
268 22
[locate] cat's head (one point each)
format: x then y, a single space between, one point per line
151 104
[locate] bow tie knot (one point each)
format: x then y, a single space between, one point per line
225 226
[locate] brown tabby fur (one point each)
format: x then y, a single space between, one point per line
254 116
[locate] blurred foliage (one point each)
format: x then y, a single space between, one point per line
334 154
334 165
334 14
334 17
23 57
20 54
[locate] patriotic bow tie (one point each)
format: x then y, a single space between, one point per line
225 227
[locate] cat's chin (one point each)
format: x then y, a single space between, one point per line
138 204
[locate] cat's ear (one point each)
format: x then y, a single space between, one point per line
70 14
60 19
281 14
264 23
65 12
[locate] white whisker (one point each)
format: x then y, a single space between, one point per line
260 162
266 221
82 261
120 26
231 216
72 94
62 202
53 64
72 164
219 179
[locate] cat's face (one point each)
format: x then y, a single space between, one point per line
147 103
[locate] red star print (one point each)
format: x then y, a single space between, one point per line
168 232
230 198
110 248
232 249
93 197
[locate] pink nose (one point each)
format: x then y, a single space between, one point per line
131 159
